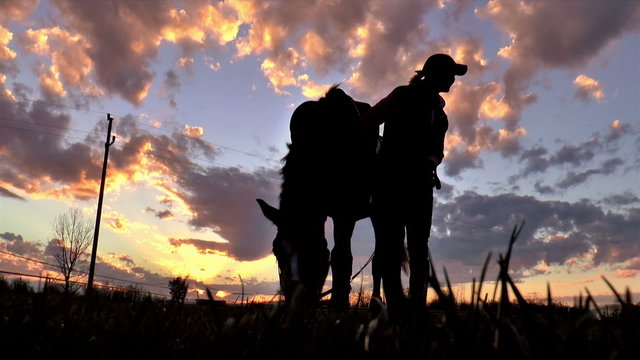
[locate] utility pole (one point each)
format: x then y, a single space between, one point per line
110 140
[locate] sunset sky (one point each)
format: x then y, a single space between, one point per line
544 128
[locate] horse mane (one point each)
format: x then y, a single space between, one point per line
313 124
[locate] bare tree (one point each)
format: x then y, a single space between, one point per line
72 235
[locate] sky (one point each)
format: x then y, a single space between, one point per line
544 130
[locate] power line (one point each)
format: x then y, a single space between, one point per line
79 271
33 101
89 110
72 282
41 132
268 159
43 125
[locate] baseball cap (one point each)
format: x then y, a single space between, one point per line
442 62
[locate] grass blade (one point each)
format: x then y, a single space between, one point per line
614 290
482 274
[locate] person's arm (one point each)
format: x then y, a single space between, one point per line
380 112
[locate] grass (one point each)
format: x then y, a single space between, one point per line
126 324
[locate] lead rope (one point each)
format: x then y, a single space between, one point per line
352 277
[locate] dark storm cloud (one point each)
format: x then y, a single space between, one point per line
39 152
555 232
224 199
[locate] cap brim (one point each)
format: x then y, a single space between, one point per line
460 69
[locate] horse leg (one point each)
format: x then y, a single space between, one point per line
341 262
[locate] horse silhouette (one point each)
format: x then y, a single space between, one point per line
327 172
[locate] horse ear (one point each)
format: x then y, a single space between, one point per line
269 211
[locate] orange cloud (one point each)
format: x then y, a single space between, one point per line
314 46
70 63
587 87
5 38
193 131
280 72
50 82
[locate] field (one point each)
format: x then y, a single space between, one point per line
126 323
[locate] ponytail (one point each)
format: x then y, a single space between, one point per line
416 79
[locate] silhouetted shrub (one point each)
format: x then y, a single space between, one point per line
178 288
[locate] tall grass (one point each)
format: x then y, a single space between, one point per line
116 324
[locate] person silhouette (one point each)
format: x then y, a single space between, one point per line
402 201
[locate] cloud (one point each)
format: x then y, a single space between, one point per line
33 130
543 189
630 269
203 246
574 179
7 55
555 232
193 131
534 160
471 110
223 199
16 244
6 193
575 155
162 215
220 198
119 47
553 35
11 236
165 214
16 11
70 64
538 159
622 199
588 88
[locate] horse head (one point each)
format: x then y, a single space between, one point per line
281 248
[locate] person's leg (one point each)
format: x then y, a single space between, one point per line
341 262
418 231
389 233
